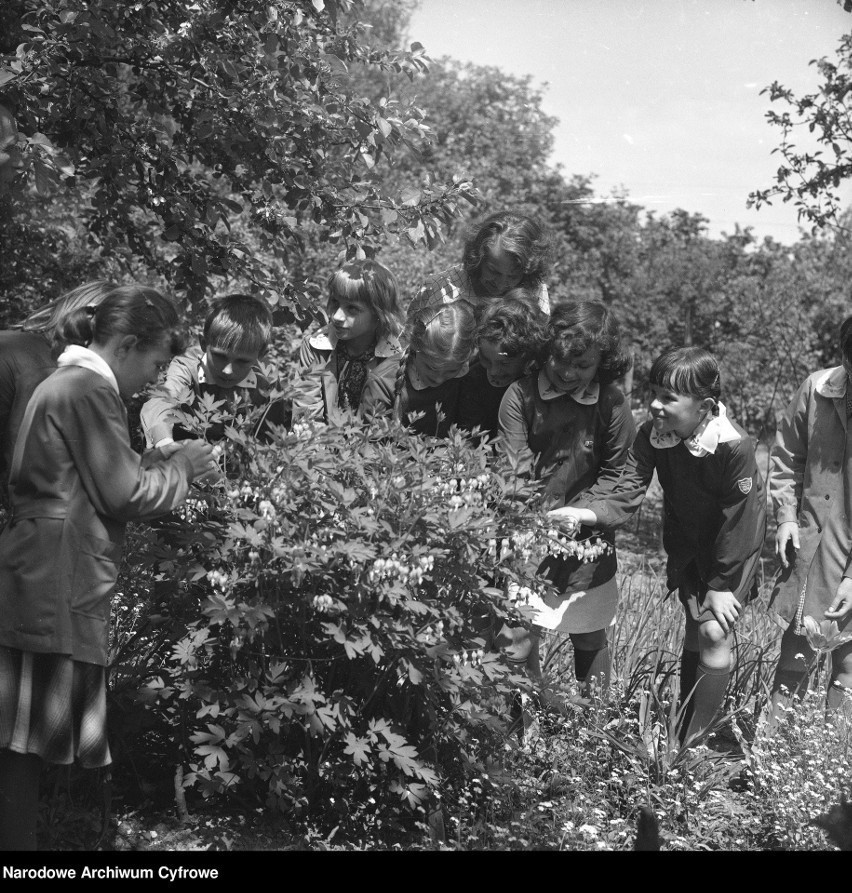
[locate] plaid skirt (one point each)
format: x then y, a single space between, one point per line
53 706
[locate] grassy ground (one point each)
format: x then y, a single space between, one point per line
575 780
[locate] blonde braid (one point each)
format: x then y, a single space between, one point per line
398 383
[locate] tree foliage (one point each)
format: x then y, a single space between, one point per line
180 127
811 178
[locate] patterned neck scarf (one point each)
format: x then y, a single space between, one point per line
351 375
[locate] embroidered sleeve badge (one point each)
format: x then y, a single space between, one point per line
745 485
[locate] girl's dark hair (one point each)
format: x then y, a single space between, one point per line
515 322
846 339
372 284
687 370
238 322
46 319
128 310
576 326
521 237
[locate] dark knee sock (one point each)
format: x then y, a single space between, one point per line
19 782
589 665
688 674
710 687
789 683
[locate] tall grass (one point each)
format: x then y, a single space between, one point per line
576 781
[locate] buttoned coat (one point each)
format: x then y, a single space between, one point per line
572 446
714 508
809 472
74 483
319 360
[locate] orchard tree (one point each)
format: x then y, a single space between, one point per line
812 178
206 139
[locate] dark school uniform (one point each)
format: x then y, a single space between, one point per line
714 510
570 445
438 404
479 402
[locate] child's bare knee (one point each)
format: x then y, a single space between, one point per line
711 634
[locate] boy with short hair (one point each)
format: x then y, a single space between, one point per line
224 366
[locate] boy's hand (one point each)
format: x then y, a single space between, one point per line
723 606
787 532
841 607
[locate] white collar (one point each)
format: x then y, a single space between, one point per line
831 383
587 396
77 355
326 339
714 428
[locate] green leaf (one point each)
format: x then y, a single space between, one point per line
358 748
45 177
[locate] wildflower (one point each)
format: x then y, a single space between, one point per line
826 636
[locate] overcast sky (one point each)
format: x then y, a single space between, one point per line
661 97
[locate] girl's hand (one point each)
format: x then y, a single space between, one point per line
724 607
200 455
169 449
841 607
787 533
570 519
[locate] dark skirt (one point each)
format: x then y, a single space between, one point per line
53 706
692 589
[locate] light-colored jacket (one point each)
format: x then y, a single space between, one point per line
319 397
808 473
75 482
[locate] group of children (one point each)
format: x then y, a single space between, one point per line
483 351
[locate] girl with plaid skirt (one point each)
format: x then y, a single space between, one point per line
74 483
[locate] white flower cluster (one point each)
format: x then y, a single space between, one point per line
521 545
191 510
436 633
218 579
246 493
522 594
393 568
584 550
460 485
532 545
305 430
266 509
322 603
469 658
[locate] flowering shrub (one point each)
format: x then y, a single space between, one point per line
339 589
